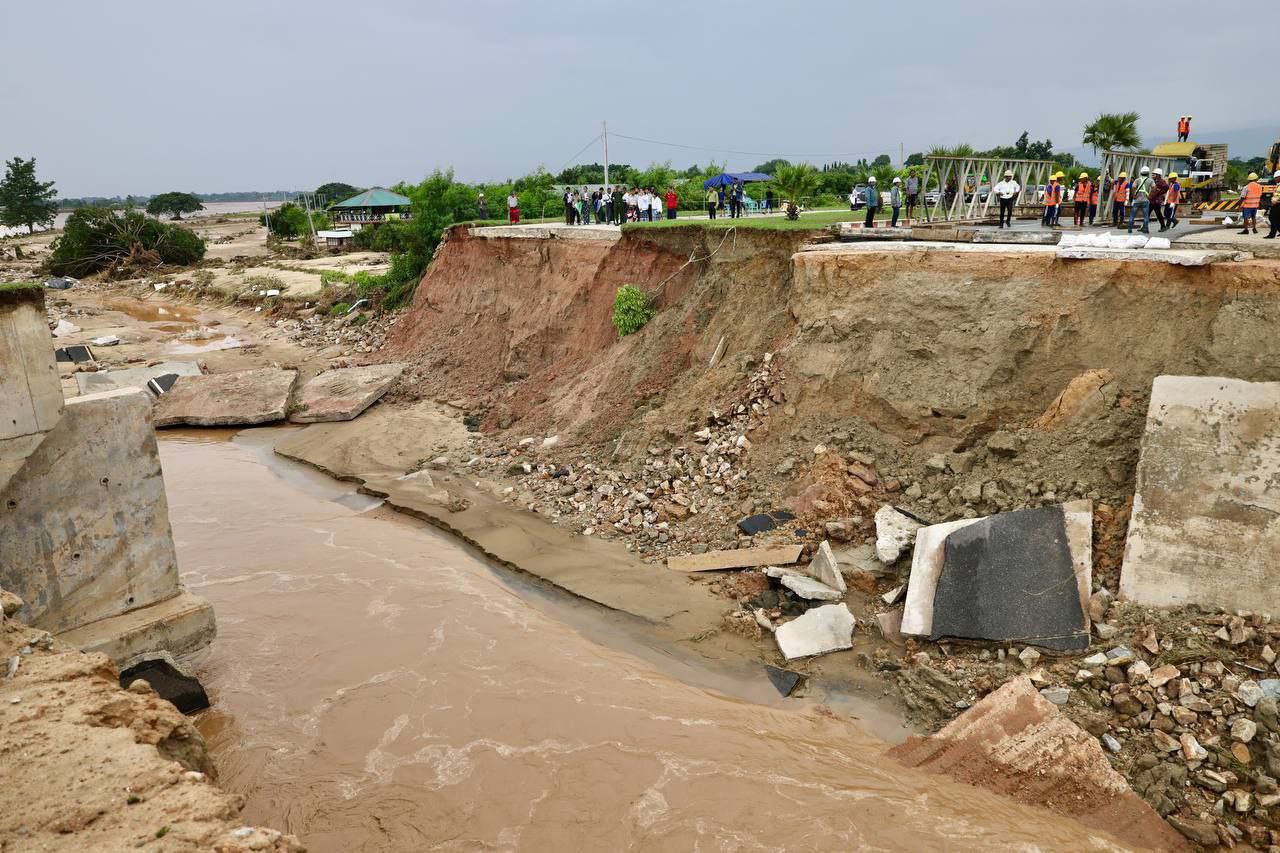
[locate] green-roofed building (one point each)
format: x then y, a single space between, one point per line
371 206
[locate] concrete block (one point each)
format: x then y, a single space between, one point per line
133 377
825 568
824 629
341 395
1205 527
85 522
242 398
808 588
180 625
895 533
1179 257
30 390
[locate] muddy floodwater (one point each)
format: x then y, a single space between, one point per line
377 686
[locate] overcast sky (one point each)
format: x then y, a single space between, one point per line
144 97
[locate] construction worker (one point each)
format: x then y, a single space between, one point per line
1159 189
895 200
1140 199
1187 130
1171 199
1084 189
1119 200
1052 198
1093 200
873 201
1249 201
1007 194
1184 128
1273 213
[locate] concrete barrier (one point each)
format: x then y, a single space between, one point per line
30 391
85 523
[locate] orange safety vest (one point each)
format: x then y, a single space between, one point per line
1093 196
1252 196
1083 191
1052 193
1182 125
1122 191
1174 194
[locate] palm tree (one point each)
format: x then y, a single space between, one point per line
1112 131
794 183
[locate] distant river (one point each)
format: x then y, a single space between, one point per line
211 208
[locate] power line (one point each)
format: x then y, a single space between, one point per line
575 156
746 153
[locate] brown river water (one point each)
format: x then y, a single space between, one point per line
377 686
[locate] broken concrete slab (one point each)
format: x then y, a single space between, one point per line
74 354
132 377
808 588
168 678
738 558
342 394
1016 743
926 566
890 624
1205 527
1002 235
818 631
64 329
783 679
895 533
1021 576
853 231
1179 257
825 568
242 398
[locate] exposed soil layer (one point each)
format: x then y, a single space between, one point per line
91 767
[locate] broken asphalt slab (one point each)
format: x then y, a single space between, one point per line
1021 575
242 398
1205 527
824 629
1016 743
783 679
342 394
737 558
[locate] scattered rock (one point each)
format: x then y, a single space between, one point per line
818 631
808 588
895 532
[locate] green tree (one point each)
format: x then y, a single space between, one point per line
768 167
175 204
882 160
289 221
794 183
1112 131
916 159
25 200
335 191
96 239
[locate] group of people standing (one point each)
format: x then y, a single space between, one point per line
1149 193
733 199
616 205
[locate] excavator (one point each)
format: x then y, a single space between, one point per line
1268 182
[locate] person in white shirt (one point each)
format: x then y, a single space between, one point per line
1007 192
643 204
513 208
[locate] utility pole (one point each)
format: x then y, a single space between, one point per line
604 133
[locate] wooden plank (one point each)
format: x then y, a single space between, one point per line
739 558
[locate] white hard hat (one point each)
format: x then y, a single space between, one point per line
1276 175
897 180
871 180
1156 172
1144 170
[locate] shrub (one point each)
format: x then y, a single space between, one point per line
96 239
339 309
631 310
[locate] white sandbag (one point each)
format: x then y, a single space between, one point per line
1069 240
1158 243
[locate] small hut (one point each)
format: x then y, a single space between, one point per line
371 207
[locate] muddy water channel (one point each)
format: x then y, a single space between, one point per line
376 686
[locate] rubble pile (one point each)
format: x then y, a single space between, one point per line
681 498
357 333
